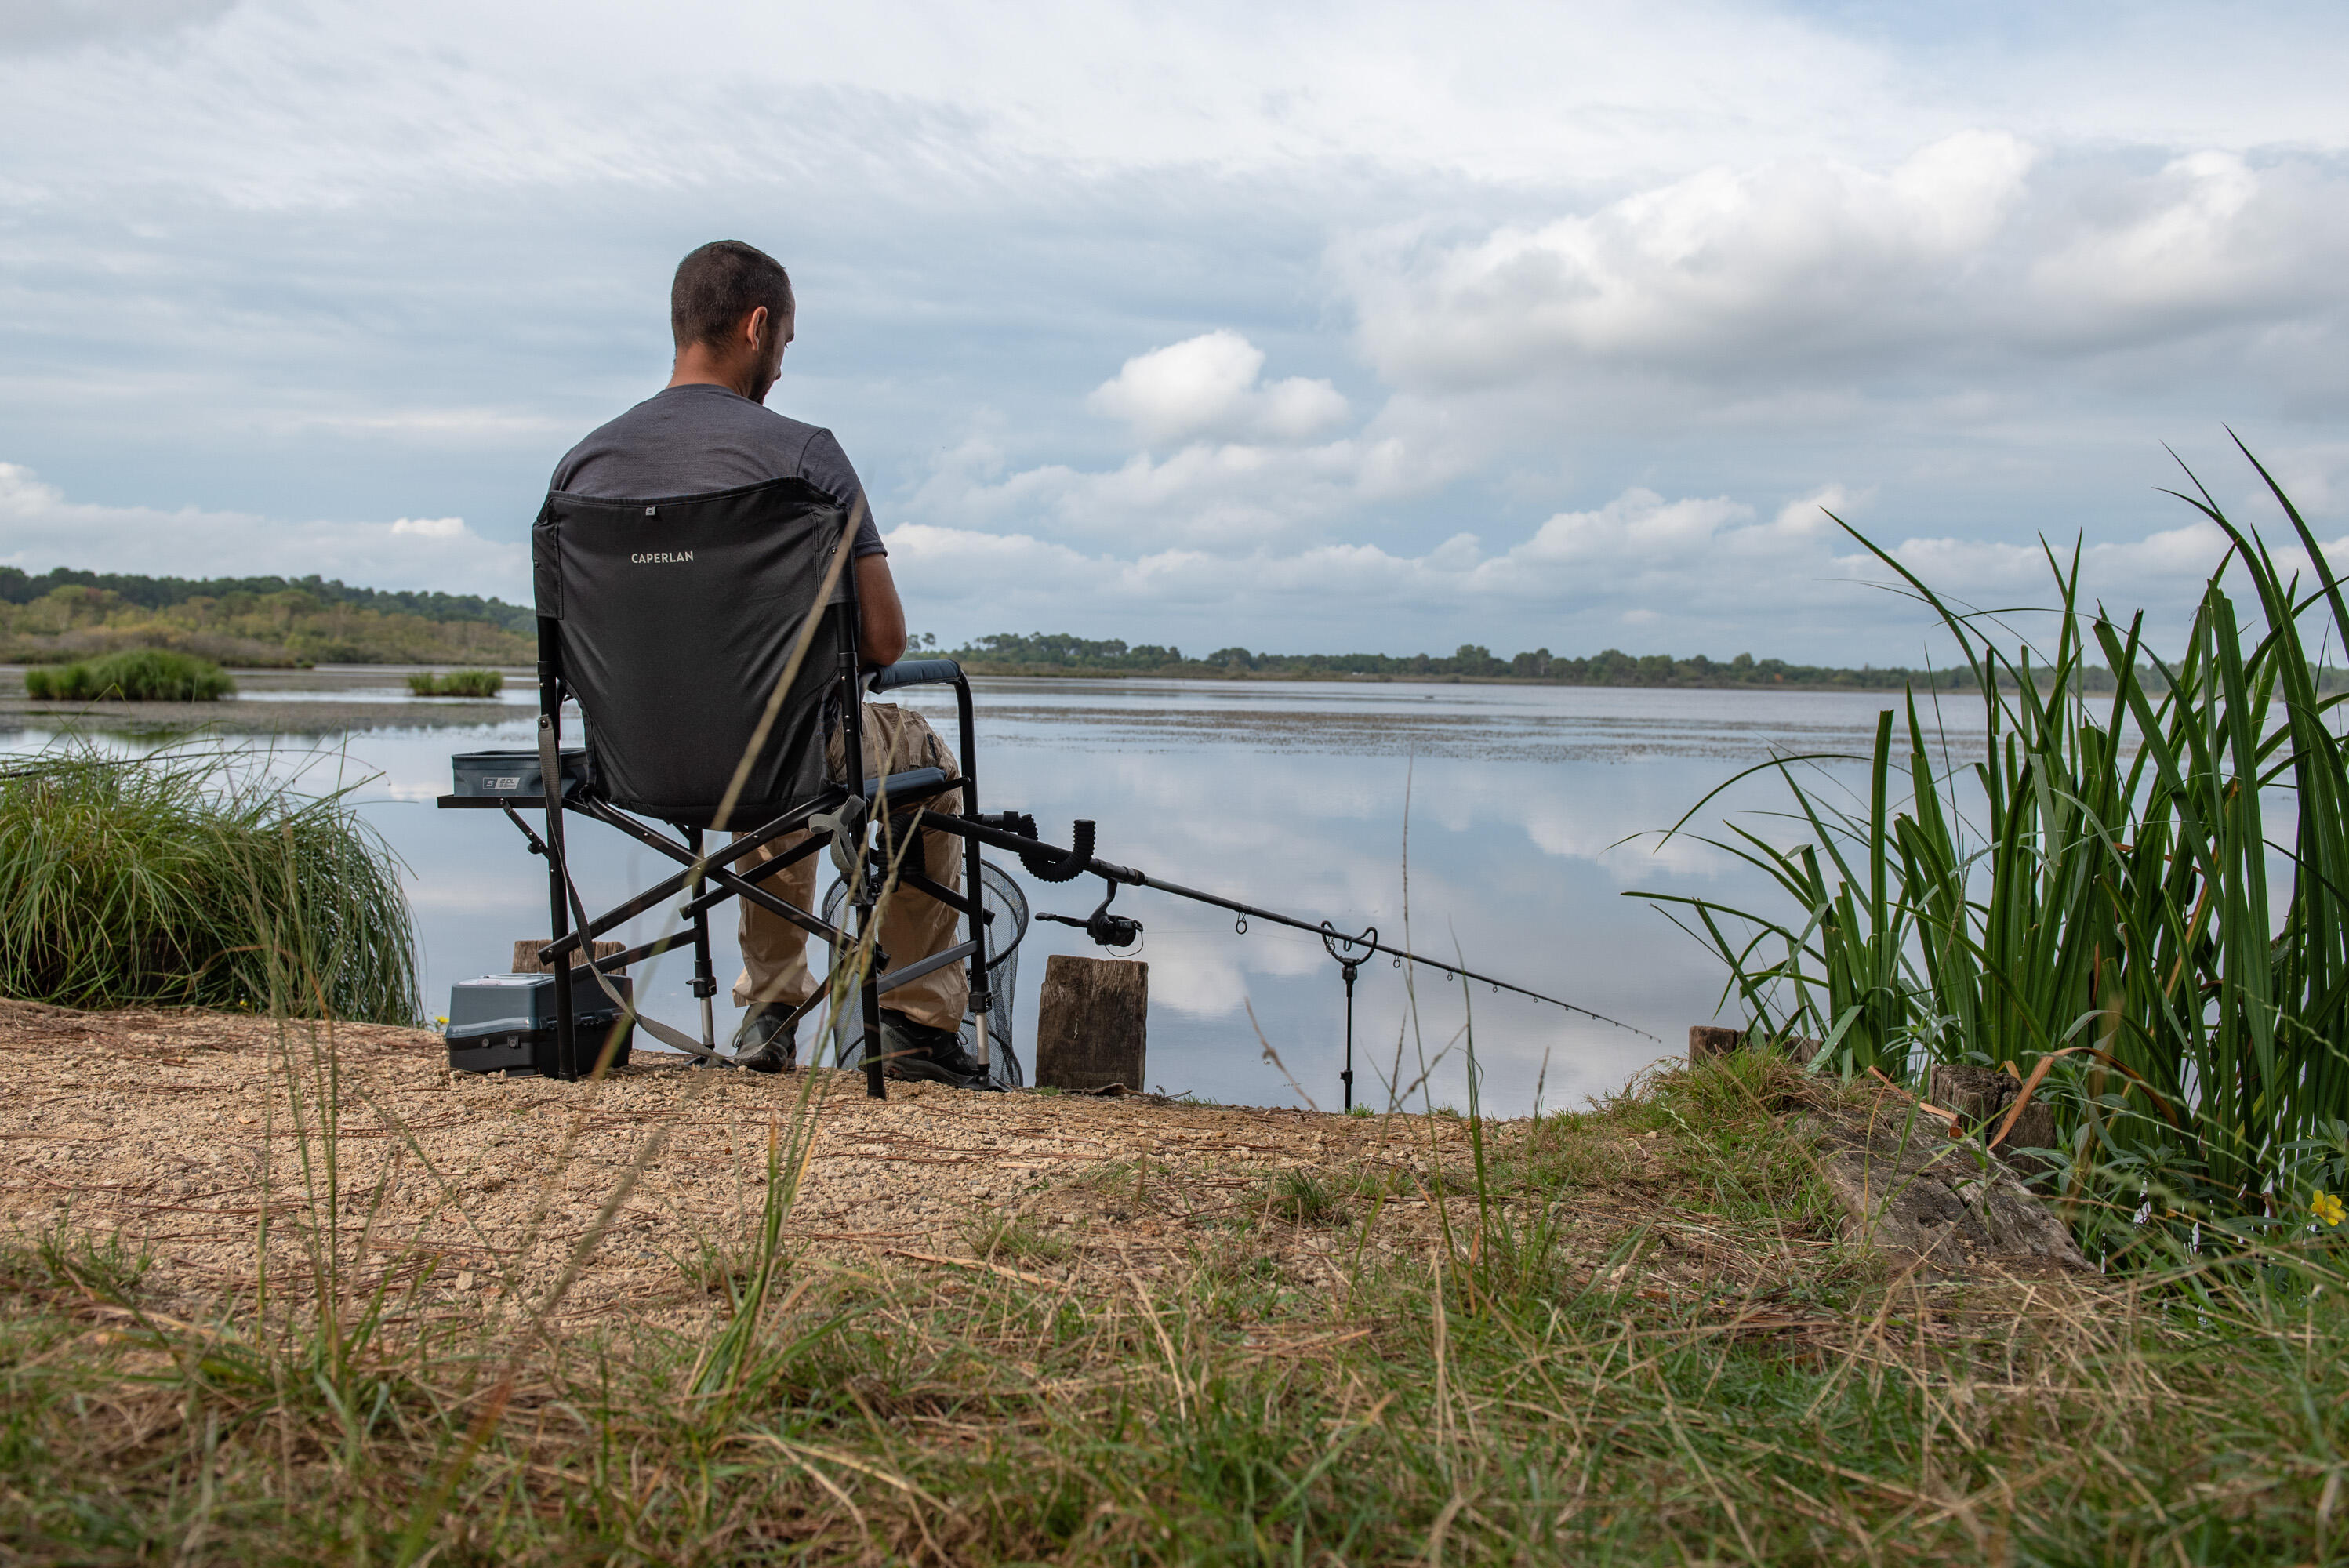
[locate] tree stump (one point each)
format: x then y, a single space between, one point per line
1710 1042
526 954
1091 1023
1982 1097
1707 1041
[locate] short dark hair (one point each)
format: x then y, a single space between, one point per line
721 284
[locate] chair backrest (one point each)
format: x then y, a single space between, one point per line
674 619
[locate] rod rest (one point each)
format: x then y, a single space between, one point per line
914 671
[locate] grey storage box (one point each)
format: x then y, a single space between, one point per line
491 775
505 1023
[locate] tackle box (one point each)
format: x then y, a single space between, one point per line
505 1023
491 774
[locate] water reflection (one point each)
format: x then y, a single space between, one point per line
1492 824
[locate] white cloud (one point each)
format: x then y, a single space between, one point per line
1224 494
429 527
1688 574
53 23
1207 387
1639 544
1241 463
1780 259
325 259
43 528
1974 254
2211 240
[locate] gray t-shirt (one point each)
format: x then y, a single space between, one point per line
689 440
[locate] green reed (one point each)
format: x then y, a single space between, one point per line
135 674
456 683
2092 902
187 877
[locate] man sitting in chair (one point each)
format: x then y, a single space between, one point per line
731 310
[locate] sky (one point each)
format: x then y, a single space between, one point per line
1295 326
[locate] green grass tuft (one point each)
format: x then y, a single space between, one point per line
136 674
1013 1238
1304 1197
60 1258
187 878
456 683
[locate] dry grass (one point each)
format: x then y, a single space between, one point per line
1120 1332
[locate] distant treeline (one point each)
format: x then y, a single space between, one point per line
63 616
19 587
1047 654
69 614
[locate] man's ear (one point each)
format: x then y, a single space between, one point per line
754 329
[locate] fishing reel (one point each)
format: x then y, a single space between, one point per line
1107 930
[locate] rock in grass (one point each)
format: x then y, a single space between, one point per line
135 674
1908 1189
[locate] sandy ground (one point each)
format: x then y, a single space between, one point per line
187 1133
178 1131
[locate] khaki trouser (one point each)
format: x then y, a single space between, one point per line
912 924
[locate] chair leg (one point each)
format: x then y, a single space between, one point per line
550 757
566 1027
869 1000
705 983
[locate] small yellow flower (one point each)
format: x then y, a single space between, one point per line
2326 1207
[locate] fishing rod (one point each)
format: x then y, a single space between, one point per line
1016 831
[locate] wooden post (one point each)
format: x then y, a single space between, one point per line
1707 1041
1710 1042
1091 1022
526 954
1982 1097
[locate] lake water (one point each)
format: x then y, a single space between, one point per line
1524 807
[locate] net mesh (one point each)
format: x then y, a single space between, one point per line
1001 897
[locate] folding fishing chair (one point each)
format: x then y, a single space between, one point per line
710 667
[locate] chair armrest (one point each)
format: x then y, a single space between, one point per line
914 671
910 787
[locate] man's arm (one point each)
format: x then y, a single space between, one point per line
880 614
881 618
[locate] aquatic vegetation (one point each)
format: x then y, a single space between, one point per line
188 877
135 674
456 683
2137 903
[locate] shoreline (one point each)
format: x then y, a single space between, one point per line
312 712
1265 677
302 702
307 718
351 675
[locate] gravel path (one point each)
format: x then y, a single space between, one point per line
184 1131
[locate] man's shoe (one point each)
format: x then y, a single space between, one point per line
763 1042
916 1051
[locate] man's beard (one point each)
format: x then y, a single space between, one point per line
764 381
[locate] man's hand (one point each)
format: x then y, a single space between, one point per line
880 614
